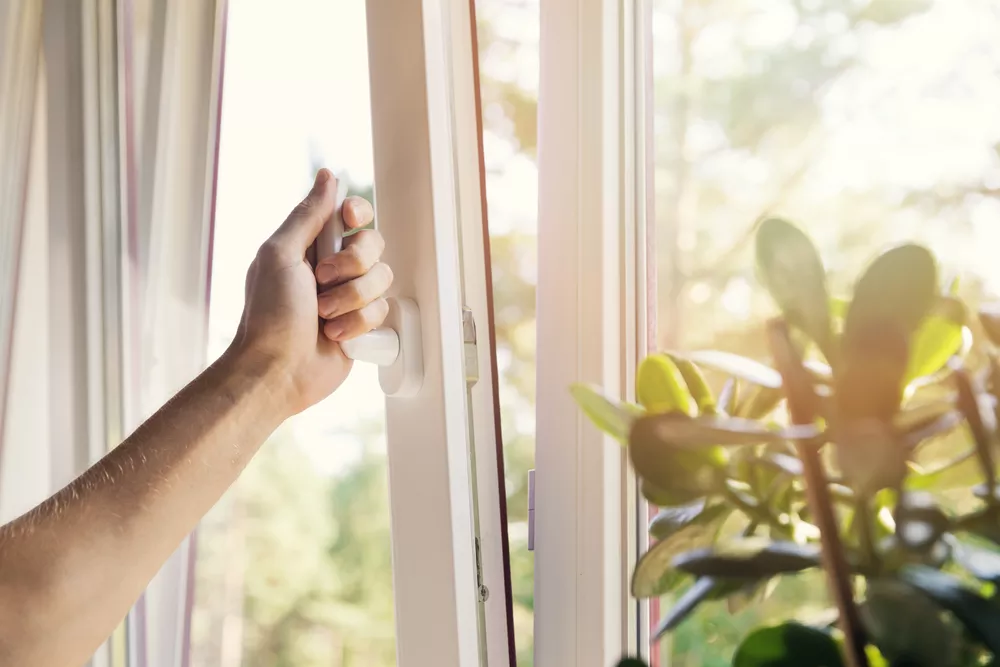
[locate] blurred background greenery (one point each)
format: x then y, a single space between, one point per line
865 121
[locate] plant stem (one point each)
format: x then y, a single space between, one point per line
981 435
756 513
801 399
866 536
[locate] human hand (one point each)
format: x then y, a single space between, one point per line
285 324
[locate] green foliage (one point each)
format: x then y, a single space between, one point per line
788 645
899 377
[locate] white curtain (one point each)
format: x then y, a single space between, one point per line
20 46
113 283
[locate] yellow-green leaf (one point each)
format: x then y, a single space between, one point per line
613 417
696 384
660 387
938 339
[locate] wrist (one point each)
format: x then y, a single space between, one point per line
264 374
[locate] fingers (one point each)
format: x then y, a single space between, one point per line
290 242
361 252
357 212
357 322
355 294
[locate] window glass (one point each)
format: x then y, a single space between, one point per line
293 566
868 122
508 48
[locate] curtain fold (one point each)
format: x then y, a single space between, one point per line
120 239
20 48
172 76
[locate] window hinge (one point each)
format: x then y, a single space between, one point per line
484 592
531 510
471 348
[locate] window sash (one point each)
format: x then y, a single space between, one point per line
429 208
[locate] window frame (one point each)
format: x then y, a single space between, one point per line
592 328
444 484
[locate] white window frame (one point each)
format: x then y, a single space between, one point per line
591 328
429 208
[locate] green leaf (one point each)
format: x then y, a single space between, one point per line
890 301
749 558
907 627
736 366
898 290
960 472
981 563
788 645
728 397
938 339
612 417
747 595
696 385
785 463
926 420
678 431
660 387
654 575
702 589
631 662
671 519
983 524
875 658
760 402
676 453
979 616
791 270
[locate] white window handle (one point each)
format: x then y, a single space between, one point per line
395 347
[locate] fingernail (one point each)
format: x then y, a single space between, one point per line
327 273
356 210
322 176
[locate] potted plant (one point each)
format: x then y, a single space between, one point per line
818 460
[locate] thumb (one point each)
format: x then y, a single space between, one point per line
304 223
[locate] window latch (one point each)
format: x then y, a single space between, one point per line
531 510
396 347
471 347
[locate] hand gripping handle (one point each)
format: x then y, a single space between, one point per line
396 346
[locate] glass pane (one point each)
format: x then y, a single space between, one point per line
868 122
294 564
508 48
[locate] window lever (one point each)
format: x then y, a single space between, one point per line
396 347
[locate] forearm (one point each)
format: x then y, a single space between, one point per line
71 568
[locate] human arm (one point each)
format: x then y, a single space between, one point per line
71 568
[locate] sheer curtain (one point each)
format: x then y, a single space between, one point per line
20 45
104 296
